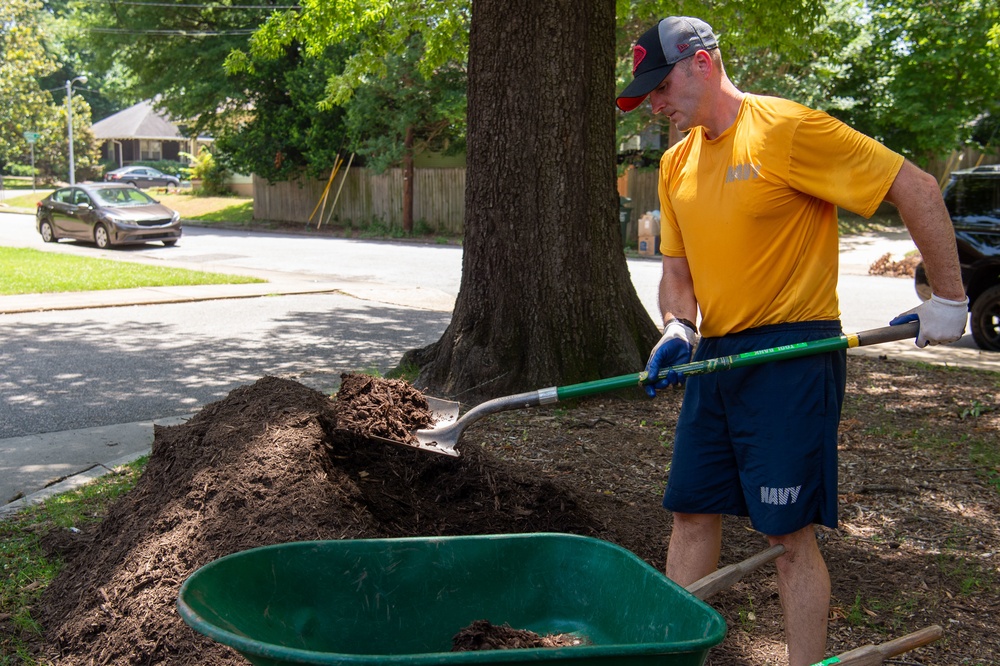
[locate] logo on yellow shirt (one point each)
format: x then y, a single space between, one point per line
742 172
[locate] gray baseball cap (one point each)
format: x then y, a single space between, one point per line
660 48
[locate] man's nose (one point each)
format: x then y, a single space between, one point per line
656 101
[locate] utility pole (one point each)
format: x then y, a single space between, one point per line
69 124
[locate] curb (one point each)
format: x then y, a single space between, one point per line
66 485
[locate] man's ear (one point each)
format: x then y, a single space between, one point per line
703 62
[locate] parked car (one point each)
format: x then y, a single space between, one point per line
973 200
106 214
142 176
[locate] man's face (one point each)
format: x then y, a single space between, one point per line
677 96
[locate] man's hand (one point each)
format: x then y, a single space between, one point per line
941 320
673 348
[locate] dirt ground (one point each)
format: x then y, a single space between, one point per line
917 544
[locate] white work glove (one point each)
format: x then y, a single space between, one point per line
941 320
674 348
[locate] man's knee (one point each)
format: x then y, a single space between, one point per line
800 546
697 521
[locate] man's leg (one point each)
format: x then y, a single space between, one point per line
695 544
804 589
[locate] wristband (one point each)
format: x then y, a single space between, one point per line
686 322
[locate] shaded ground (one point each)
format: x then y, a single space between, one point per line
917 545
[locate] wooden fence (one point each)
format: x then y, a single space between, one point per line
362 197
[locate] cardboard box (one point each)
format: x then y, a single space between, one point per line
649 246
648 225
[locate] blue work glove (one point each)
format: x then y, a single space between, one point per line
674 348
941 320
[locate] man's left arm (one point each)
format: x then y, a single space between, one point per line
916 195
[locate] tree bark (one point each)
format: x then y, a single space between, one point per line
546 297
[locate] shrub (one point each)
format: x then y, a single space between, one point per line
21 170
209 172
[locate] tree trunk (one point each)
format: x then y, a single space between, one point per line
408 180
546 298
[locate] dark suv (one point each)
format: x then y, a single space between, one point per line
973 200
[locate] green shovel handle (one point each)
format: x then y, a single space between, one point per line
847 341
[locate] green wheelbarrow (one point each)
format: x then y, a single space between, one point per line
401 601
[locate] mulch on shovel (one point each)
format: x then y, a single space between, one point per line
387 408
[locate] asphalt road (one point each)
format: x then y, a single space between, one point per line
65 375
81 368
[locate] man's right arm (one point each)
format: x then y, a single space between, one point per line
677 299
680 333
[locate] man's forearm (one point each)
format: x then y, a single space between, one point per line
677 299
916 195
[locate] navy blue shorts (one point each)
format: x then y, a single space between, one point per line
761 441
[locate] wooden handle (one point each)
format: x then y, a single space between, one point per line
874 655
719 580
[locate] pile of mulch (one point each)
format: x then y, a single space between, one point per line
919 543
271 463
886 267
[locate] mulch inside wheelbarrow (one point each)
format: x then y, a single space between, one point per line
918 541
484 635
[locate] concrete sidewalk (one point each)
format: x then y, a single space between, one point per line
415 297
58 462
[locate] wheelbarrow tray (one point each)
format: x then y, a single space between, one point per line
401 601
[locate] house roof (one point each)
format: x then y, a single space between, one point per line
141 121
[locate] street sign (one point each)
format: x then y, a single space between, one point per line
32 137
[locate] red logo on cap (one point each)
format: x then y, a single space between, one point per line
638 53
681 48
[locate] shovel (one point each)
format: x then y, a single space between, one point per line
873 655
443 436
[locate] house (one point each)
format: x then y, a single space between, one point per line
141 133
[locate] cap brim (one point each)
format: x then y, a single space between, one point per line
641 86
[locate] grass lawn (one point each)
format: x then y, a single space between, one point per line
237 210
27 570
28 271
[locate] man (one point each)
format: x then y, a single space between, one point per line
749 242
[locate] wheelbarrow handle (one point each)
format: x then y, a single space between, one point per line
718 580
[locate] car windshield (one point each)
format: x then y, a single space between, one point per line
123 196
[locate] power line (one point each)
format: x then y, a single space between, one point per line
181 5
181 33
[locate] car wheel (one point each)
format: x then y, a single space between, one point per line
170 243
48 235
101 237
986 319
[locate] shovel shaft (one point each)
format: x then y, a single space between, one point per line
847 341
873 655
444 438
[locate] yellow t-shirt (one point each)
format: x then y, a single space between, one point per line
754 211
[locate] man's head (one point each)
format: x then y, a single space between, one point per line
660 48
